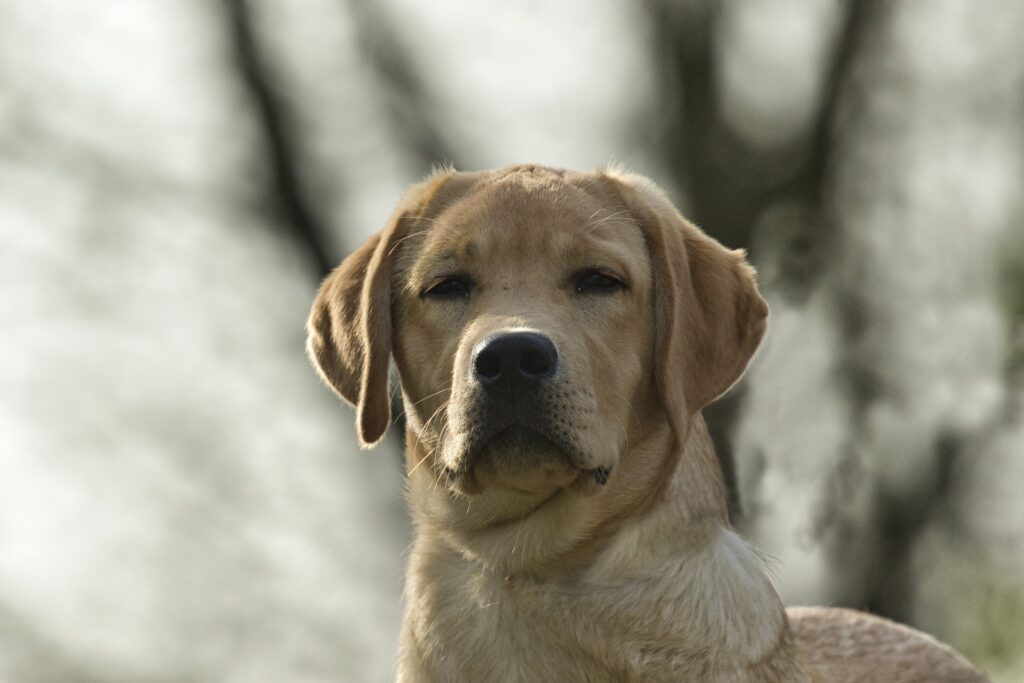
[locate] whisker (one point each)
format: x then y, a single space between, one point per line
590 225
417 465
405 410
407 237
443 406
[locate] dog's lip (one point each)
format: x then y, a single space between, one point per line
584 480
598 474
525 430
514 430
528 436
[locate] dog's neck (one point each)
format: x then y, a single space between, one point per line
695 593
687 556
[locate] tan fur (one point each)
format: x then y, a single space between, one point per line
524 567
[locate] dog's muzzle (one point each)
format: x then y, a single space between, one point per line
514 411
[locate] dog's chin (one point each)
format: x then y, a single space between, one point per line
520 460
508 478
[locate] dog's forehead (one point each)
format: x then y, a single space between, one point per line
523 218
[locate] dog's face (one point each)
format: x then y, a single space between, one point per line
553 334
523 338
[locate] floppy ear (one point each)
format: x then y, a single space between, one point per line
709 315
349 334
349 326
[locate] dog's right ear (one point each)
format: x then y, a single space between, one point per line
349 327
343 339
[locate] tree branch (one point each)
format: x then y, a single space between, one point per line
729 184
410 106
283 160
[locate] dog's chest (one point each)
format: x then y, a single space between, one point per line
514 629
708 616
535 633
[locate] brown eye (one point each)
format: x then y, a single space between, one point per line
455 287
598 282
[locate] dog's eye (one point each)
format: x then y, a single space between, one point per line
598 282
455 287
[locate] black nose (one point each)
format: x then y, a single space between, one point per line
521 358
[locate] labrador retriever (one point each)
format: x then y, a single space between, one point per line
556 335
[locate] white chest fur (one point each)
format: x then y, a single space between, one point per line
696 605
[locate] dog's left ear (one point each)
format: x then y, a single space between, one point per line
709 315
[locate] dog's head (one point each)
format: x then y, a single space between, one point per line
554 335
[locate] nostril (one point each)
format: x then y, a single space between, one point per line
517 357
535 362
487 364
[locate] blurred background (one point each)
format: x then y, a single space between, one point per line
180 498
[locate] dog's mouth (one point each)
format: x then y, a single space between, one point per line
519 439
523 457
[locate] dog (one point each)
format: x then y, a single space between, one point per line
556 335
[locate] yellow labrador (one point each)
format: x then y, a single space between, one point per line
556 336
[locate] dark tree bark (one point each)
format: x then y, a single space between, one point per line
728 183
286 190
412 108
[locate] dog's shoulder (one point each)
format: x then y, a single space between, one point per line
846 645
